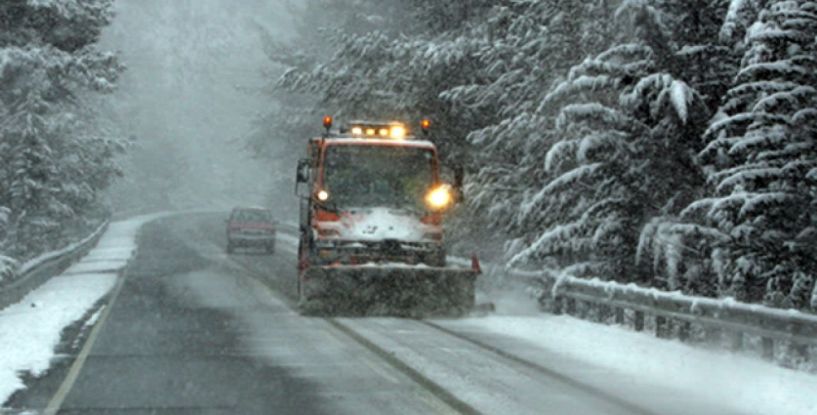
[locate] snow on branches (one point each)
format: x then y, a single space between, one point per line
616 119
54 157
759 155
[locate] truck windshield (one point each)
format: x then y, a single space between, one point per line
368 176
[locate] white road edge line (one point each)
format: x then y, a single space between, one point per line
55 404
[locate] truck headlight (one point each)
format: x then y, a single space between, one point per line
439 198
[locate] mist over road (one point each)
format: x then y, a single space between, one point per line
193 89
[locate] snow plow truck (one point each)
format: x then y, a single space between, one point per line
372 205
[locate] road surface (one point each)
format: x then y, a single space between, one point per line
192 330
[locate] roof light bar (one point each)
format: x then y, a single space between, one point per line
391 130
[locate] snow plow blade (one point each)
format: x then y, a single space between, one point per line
414 292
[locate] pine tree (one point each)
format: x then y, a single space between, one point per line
524 47
622 136
702 59
50 171
763 163
704 62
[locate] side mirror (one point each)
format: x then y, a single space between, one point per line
302 175
302 178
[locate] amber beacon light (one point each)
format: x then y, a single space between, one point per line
425 124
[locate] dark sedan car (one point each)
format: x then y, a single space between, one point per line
251 228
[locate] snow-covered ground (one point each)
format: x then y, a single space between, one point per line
37 261
30 330
637 360
746 384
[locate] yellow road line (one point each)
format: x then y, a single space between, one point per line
57 400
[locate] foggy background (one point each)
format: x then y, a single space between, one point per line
192 89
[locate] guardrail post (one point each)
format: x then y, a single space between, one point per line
619 315
800 351
570 308
604 313
713 335
684 330
558 305
767 344
595 311
581 309
661 326
736 341
638 321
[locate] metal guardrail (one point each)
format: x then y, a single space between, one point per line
676 315
672 314
35 274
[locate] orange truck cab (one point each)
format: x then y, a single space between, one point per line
375 195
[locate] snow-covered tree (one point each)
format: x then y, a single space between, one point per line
524 47
762 162
619 153
53 159
704 60
751 234
740 15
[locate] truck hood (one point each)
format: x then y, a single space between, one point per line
380 223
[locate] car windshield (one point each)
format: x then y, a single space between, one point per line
389 176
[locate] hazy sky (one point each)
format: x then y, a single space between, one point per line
190 92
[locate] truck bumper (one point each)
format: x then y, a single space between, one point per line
387 290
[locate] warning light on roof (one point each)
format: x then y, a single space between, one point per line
425 124
327 122
398 132
380 130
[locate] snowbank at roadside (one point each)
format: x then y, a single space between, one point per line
746 384
34 262
30 330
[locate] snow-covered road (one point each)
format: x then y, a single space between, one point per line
197 331
31 329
